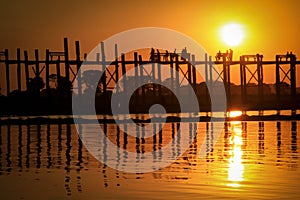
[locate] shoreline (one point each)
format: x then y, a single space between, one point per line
36 120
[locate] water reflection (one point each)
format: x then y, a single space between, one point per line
235 165
244 151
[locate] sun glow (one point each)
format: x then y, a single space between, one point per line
236 113
232 34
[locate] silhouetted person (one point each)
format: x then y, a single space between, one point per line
230 54
152 54
166 55
218 56
184 53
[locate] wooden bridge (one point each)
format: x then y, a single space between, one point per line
251 69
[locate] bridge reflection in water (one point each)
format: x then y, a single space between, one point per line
242 152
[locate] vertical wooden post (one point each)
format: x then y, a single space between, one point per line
210 75
37 68
19 69
293 78
259 77
194 72
136 74
78 64
206 77
124 73
103 67
153 76
47 70
228 84
172 74
177 76
277 79
116 67
226 79
58 72
67 65
242 77
37 64
26 69
189 68
206 68
142 75
189 71
159 78
7 72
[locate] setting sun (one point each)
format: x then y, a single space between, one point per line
232 34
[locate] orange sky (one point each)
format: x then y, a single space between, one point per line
271 26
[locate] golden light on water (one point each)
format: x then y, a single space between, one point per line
235 165
236 113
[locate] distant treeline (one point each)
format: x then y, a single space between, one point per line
57 100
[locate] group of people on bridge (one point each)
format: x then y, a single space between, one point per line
156 56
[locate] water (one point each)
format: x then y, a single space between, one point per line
250 160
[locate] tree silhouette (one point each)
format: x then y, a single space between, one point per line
35 85
91 79
62 86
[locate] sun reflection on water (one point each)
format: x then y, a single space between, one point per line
235 165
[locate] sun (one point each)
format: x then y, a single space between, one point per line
232 34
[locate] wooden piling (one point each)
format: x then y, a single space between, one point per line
153 76
103 67
277 79
242 79
159 78
142 75
66 52
194 72
206 76
37 64
26 69
136 73
47 70
7 72
177 76
293 79
210 75
260 78
124 73
172 74
58 72
78 64
19 70
189 72
116 67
